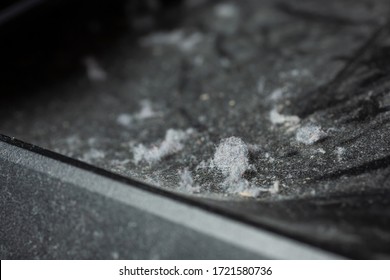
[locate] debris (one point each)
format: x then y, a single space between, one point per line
255 191
232 103
94 71
269 157
172 143
204 97
187 182
260 85
340 151
115 255
178 38
146 112
93 154
321 150
276 94
226 19
275 188
295 73
202 165
226 10
249 193
231 157
124 119
276 118
310 134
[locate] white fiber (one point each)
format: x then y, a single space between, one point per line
178 38
321 150
255 191
249 193
172 143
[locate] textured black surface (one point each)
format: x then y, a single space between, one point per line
323 61
354 226
44 218
317 64
61 199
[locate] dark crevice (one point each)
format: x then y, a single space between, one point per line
384 109
317 16
366 130
193 122
364 109
184 70
219 48
357 170
333 92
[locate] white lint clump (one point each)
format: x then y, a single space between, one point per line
146 112
94 71
340 151
310 134
124 119
231 158
93 155
277 94
226 10
187 182
276 118
227 18
172 143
